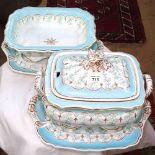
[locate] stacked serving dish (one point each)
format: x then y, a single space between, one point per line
33 34
87 97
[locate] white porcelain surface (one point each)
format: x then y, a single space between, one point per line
50 30
47 29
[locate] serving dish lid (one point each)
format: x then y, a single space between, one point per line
94 80
46 28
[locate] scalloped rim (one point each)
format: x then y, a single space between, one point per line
90 40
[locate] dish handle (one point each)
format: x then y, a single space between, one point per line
149 84
39 83
101 46
32 111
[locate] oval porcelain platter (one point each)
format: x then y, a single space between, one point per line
32 34
84 138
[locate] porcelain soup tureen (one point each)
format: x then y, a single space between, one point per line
32 34
91 100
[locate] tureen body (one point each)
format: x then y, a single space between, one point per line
94 97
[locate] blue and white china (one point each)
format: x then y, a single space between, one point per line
35 33
92 100
85 138
88 98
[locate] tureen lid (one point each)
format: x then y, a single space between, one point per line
90 79
32 28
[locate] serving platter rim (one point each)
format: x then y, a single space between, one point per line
35 117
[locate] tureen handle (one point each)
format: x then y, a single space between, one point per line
32 111
4 47
39 81
149 84
100 46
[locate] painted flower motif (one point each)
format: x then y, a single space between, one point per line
85 118
50 41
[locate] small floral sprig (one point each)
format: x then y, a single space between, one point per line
50 41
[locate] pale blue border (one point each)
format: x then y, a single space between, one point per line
130 139
18 68
27 11
93 105
14 65
49 137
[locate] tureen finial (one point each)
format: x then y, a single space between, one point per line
96 61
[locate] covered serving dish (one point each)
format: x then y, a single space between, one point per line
91 100
32 34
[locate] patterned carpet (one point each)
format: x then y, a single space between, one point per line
116 20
